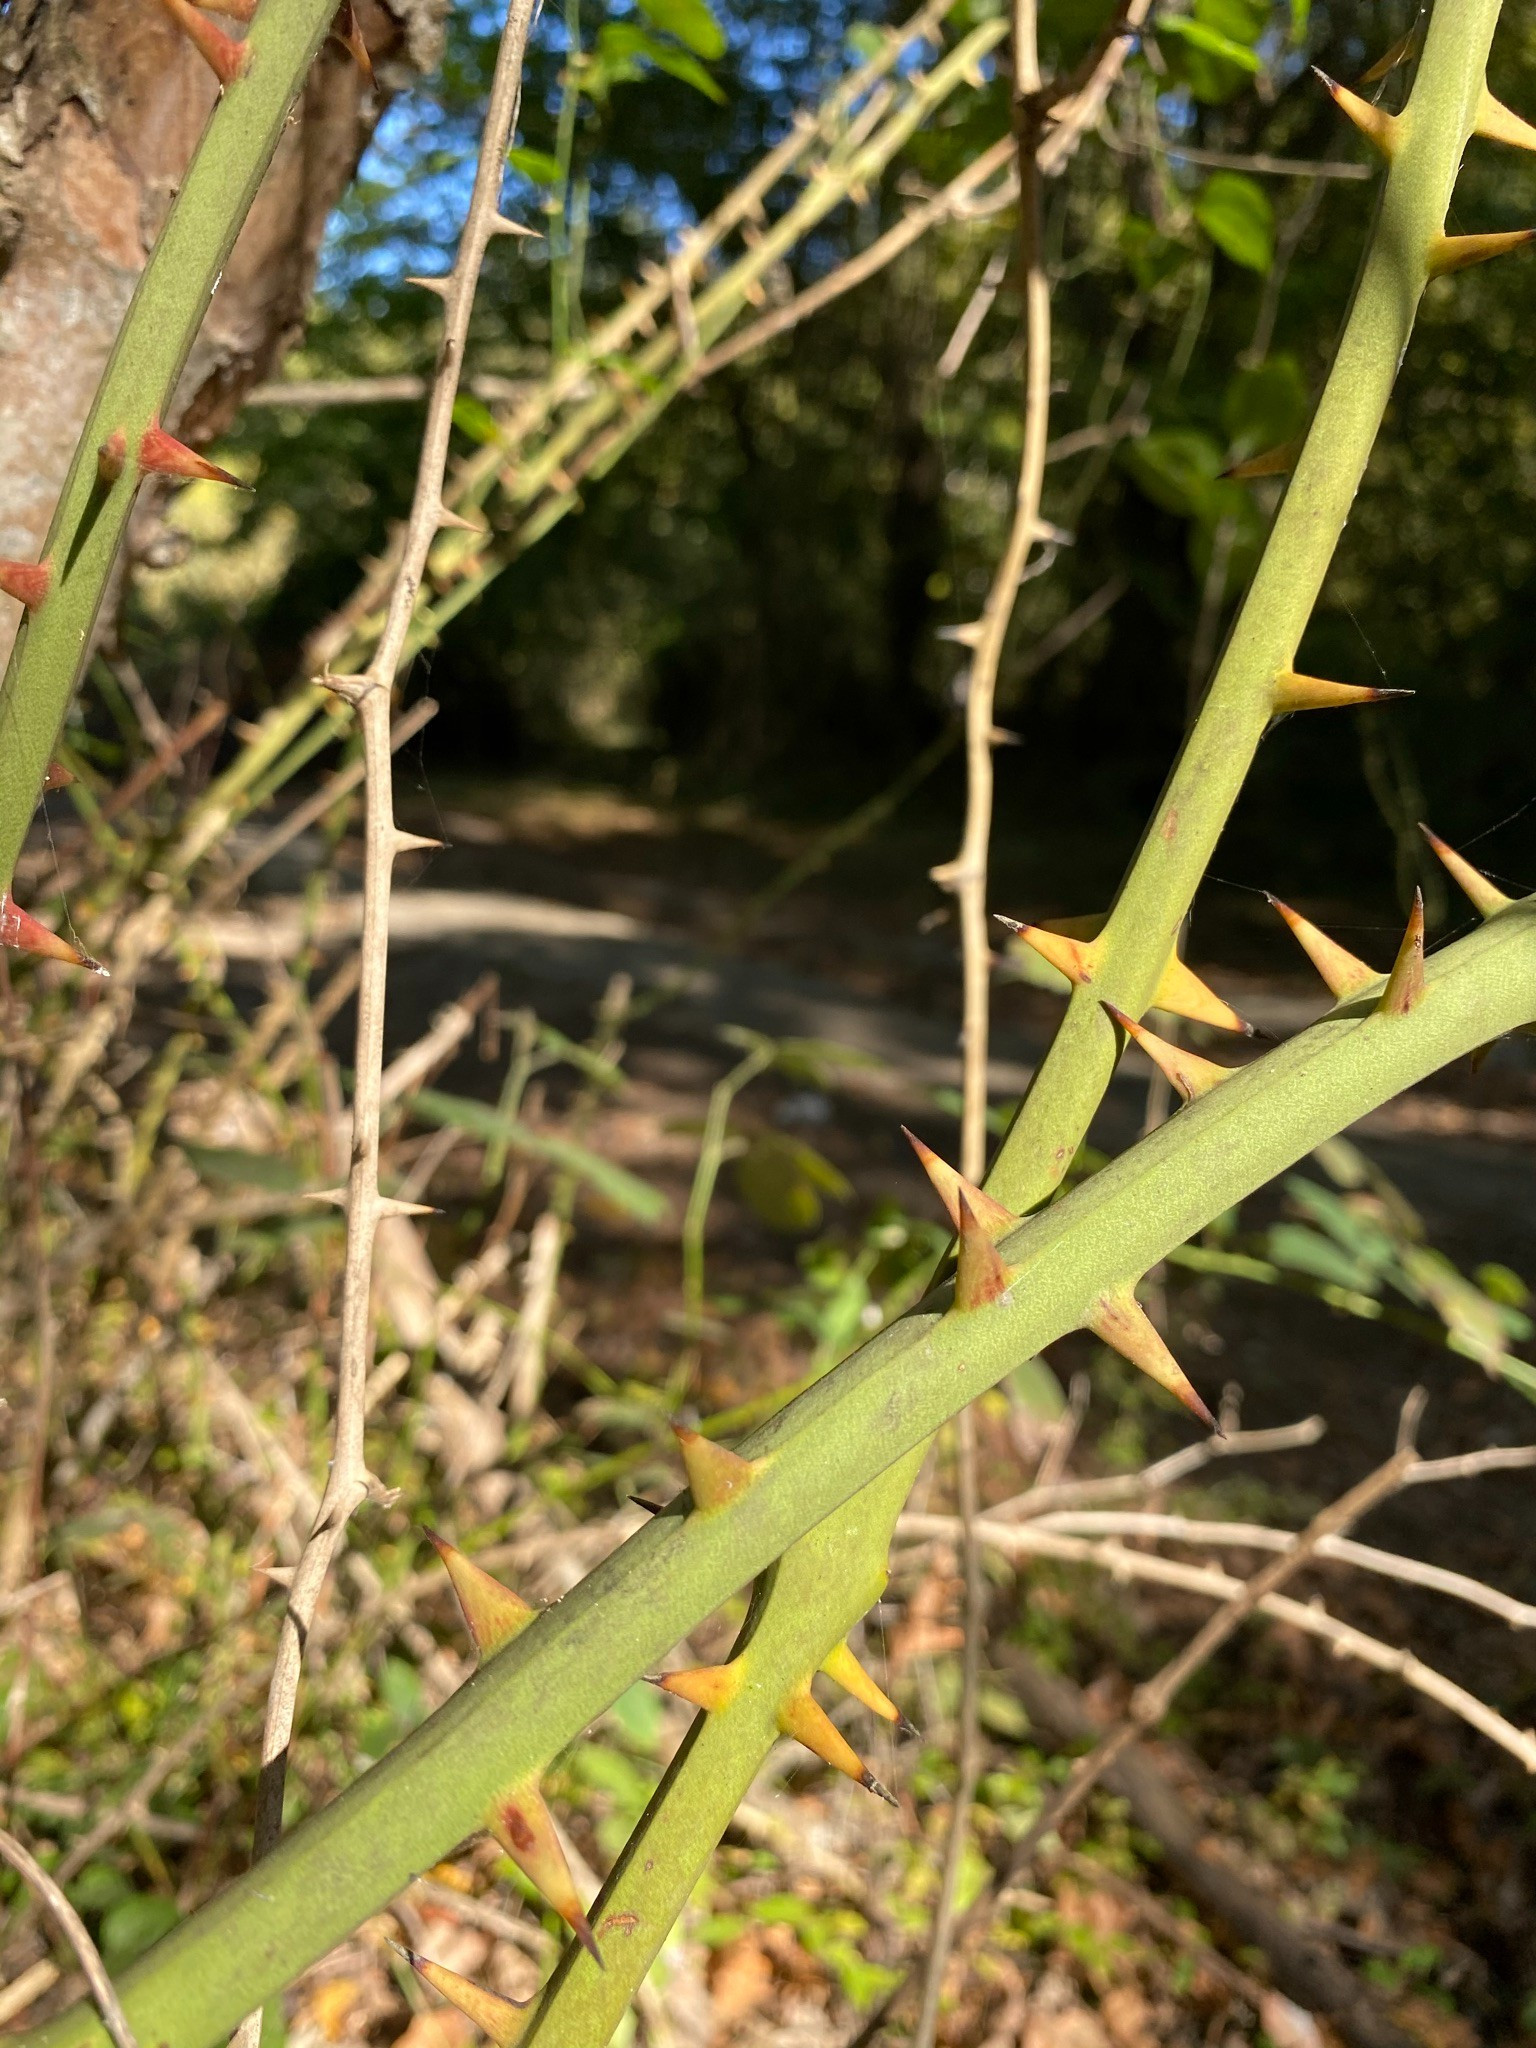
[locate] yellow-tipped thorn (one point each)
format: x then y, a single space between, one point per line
715 1475
1375 123
844 1669
1069 956
1279 461
493 1613
1487 900
981 1273
1188 1073
1344 975
710 1686
523 1825
503 2019
1123 1324
1182 993
1293 692
1460 252
801 1717
1388 61
949 1186
1499 124
1405 984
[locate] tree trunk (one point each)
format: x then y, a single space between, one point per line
102 103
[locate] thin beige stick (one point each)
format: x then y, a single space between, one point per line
133 1810
75 1806
1046 1497
371 693
73 1929
1386 1564
411 1069
1151 1700
27 1989
24 1507
1211 1583
520 1375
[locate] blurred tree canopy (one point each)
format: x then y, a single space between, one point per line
752 599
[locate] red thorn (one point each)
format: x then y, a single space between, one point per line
350 36
161 454
225 58
23 933
27 582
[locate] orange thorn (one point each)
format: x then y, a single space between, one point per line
523 1825
493 1613
112 457
1405 984
1278 461
1486 899
801 1717
1499 124
1293 692
1069 956
57 777
715 1475
237 10
225 58
1459 252
949 1186
1191 1075
1375 123
844 1669
23 933
503 2019
350 36
710 1686
1344 975
1120 1321
1399 53
161 454
981 1273
1182 993
27 582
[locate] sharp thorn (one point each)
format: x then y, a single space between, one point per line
1293 692
432 284
1405 984
1191 1075
1499 124
1279 461
161 454
350 36
803 1718
844 1669
1120 1321
1487 899
950 1186
981 1272
1459 252
492 1612
27 582
225 58
1343 974
710 1686
521 1822
1377 126
503 2019
21 932
715 1475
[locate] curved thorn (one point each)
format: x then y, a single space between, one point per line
1486 898
1293 692
1344 975
21 932
1186 1071
715 1475
503 2019
27 582
804 1719
1377 126
1120 1321
525 1828
949 1185
493 1613
1500 124
1405 984
981 1273
1459 252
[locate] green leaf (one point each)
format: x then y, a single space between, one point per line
229 1166
537 164
1235 212
680 65
475 419
1214 66
1152 255
1242 21
1176 467
691 21
1199 35
623 48
783 1181
1265 406
637 1198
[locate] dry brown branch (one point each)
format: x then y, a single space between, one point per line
73 1929
1386 1564
1151 1700
26 1989
371 694
1046 1496
24 1504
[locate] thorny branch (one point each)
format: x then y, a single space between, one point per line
371 693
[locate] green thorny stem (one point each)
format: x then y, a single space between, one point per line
1170 863
523 1705
885 1401
140 385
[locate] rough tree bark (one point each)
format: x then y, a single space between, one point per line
101 106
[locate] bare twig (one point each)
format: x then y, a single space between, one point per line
371 693
73 1929
24 1505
